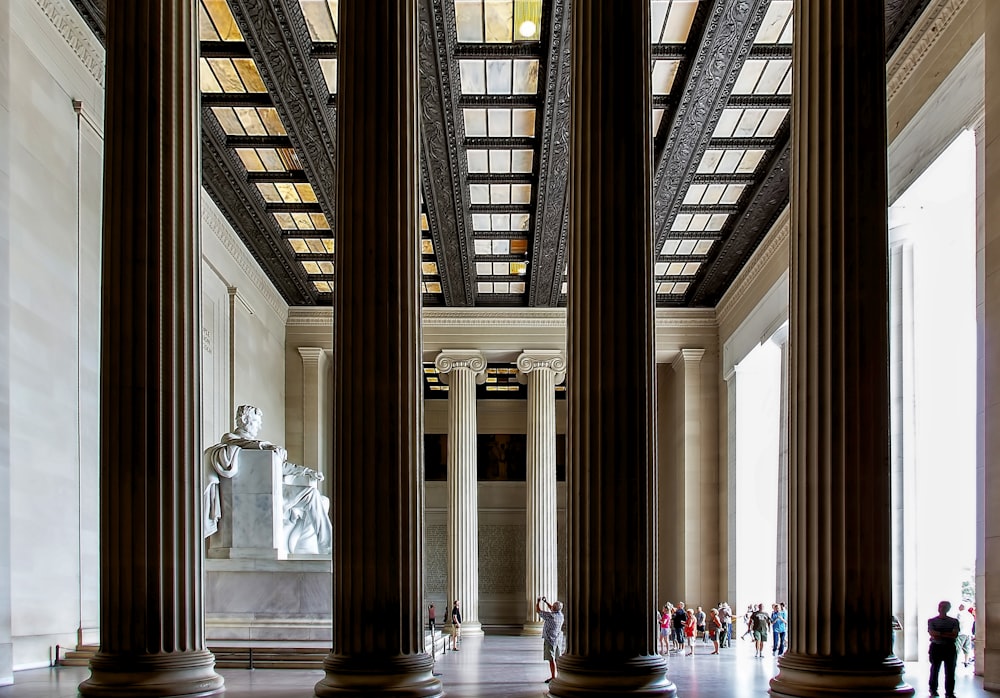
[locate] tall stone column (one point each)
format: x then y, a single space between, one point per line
377 488
462 370
152 609
6 643
780 339
611 474
542 371
314 368
840 523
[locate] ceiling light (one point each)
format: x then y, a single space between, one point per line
527 29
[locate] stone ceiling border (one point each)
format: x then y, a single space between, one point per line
931 26
775 240
78 36
308 316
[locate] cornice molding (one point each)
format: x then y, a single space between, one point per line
77 35
773 242
494 317
305 316
686 318
924 35
213 219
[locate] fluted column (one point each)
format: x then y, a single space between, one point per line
840 552
462 370
611 475
314 369
780 338
542 371
377 489
152 610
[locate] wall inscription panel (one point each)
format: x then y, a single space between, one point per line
435 560
501 559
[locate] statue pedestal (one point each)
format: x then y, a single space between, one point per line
251 525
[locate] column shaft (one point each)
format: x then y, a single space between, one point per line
542 371
781 575
314 369
463 370
840 552
152 617
611 470
377 493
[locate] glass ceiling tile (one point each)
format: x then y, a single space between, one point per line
749 122
469 21
517 287
703 247
773 75
424 225
323 286
694 194
473 74
479 193
272 161
779 13
329 67
729 161
669 247
272 122
521 160
432 287
326 267
657 118
206 30
681 222
499 193
499 77
690 269
519 246
315 246
727 123
709 161
520 193
484 269
698 221
426 246
250 159
675 268
269 192
299 245
666 287
523 122
429 268
206 78
750 161
501 287
671 20
518 268
500 221
685 247
289 194
771 122
250 121
250 75
786 84
226 74
484 287
713 193
681 287
660 268
311 267
319 221
500 246
481 222
499 122
664 72
285 221
501 268
302 221
498 16
786 37
748 77
500 161
231 124
717 221
520 221
222 19
527 20
329 245
482 247
321 18
525 76
306 192
475 123
733 193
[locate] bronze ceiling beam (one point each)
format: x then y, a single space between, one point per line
441 170
725 44
551 219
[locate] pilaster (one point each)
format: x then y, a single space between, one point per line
542 371
314 371
376 485
152 615
840 526
462 370
780 339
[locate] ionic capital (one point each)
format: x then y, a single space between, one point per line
542 360
461 359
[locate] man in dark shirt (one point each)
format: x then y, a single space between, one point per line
456 625
943 630
679 619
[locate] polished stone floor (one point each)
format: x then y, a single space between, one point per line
499 666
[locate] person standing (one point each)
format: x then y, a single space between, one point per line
552 623
663 622
689 630
943 630
431 618
779 626
760 623
726 618
456 625
699 619
715 629
680 618
964 642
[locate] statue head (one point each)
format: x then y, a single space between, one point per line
248 419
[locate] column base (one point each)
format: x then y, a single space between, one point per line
401 676
599 676
802 676
532 629
163 675
471 629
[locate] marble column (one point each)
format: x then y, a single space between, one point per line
462 370
6 644
840 523
729 499
314 372
152 608
988 591
377 488
542 371
611 473
780 339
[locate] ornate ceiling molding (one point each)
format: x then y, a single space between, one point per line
278 38
212 218
76 35
310 317
551 216
686 318
900 15
496 317
725 46
440 164
775 242
931 26
767 201
242 205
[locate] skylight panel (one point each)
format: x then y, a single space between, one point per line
329 68
664 72
475 123
670 20
499 122
776 20
321 19
216 22
523 122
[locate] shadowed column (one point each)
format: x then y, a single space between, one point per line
152 615
378 646
611 476
840 553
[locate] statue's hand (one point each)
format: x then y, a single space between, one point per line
316 475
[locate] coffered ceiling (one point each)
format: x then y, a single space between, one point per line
494 118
